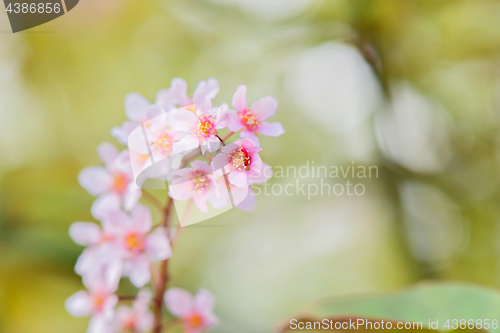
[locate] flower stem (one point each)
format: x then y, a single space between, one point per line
228 135
163 276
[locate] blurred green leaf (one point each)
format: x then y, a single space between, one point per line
430 301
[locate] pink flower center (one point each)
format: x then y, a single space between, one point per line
134 242
99 301
200 182
164 141
194 321
129 324
120 182
249 120
241 159
204 127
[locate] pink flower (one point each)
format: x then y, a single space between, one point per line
177 97
98 302
136 318
200 184
195 312
138 110
101 254
252 120
200 121
241 161
111 183
139 246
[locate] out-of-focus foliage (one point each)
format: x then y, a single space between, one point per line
425 303
409 86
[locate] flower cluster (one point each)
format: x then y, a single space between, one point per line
179 139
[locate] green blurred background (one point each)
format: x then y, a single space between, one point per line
409 86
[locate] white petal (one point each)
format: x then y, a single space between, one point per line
135 106
85 233
95 180
204 301
158 245
238 178
271 129
265 108
139 273
178 301
79 304
104 205
187 144
141 218
240 98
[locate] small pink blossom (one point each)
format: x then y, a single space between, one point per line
138 110
253 120
241 161
136 318
138 245
200 121
195 312
177 95
200 184
98 302
112 184
101 253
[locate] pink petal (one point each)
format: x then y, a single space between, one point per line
180 189
251 136
204 301
135 106
238 178
248 203
107 152
203 104
79 304
186 172
211 144
218 199
182 119
152 112
178 302
95 180
234 123
85 233
271 129
178 91
239 98
208 88
185 145
220 162
265 108
222 116
104 205
263 175
139 273
141 218
230 147
200 199
158 245
121 133
108 310
131 196
119 221
201 166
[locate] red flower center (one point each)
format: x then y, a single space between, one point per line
249 120
241 159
